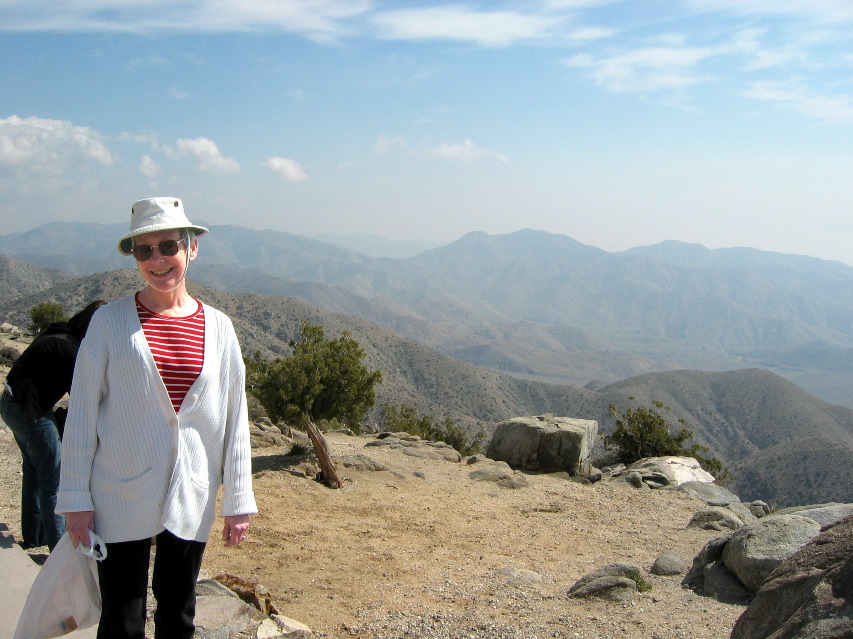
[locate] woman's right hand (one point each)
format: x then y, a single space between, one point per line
78 526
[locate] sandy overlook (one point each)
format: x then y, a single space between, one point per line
394 552
418 550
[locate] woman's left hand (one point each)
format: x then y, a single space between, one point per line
235 529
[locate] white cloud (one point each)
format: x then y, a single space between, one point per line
207 154
286 168
465 152
591 33
451 22
388 144
149 167
319 19
178 94
151 139
554 5
645 69
833 109
807 50
820 11
790 41
47 145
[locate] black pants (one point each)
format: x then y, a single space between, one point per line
124 587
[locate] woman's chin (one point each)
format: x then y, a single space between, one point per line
164 285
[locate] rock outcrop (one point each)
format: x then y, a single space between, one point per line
731 568
658 472
544 444
670 471
414 446
809 595
754 551
498 472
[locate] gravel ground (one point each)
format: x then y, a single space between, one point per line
367 562
422 551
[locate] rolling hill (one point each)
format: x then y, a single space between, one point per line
539 306
752 419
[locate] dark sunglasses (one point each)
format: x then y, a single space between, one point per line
167 248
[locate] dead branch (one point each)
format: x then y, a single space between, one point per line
321 448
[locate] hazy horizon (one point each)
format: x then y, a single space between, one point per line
616 123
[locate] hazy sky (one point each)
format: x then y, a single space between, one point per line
722 122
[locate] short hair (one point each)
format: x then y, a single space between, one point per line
79 323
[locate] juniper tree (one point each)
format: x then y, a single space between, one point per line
322 379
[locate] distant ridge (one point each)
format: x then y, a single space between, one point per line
20 278
377 246
793 473
755 421
696 255
537 305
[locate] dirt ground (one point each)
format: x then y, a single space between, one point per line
418 550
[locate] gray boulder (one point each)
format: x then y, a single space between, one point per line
710 578
715 518
544 443
634 478
711 494
669 564
263 435
670 471
756 549
444 451
414 446
221 616
609 587
500 473
520 576
743 512
719 583
809 595
717 496
824 514
612 581
758 508
359 461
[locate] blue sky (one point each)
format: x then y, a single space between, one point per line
620 124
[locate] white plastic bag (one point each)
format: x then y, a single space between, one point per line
65 595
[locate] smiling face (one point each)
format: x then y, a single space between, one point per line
165 273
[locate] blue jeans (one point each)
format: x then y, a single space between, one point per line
40 453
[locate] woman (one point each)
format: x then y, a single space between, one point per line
157 421
38 379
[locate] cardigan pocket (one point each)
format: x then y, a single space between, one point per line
190 490
190 506
120 487
121 506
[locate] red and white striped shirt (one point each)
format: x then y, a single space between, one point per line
177 344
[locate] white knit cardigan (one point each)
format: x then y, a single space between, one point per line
129 457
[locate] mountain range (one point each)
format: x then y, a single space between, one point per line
491 327
535 304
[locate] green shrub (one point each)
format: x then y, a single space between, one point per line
637 578
8 356
44 314
297 450
255 408
323 379
406 420
644 432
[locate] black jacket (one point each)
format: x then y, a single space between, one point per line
42 374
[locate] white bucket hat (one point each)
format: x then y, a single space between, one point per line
156 214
